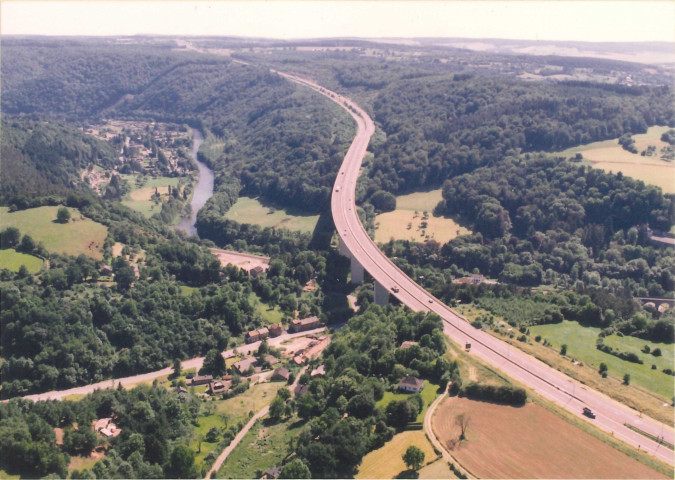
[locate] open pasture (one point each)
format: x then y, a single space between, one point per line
12 260
80 235
528 442
250 210
387 461
581 344
608 155
395 224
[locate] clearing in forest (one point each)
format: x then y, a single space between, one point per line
12 260
80 235
408 221
387 461
528 442
611 157
250 210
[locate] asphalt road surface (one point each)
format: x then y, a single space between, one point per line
548 382
144 377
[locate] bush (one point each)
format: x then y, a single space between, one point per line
656 352
506 395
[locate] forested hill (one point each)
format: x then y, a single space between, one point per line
77 78
41 159
440 127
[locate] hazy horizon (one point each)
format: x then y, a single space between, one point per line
561 21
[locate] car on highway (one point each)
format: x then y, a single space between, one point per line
589 413
395 289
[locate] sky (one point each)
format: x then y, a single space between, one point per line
580 20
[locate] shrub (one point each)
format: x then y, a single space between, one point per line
507 395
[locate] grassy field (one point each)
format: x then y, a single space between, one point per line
511 442
581 343
437 469
250 210
268 313
395 224
139 198
428 394
80 463
387 461
223 413
610 156
262 448
79 235
586 371
6 476
12 260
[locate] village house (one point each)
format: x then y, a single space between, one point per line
272 473
305 324
408 344
256 335
107 428
276 329
271 359
300 390
475 279
200 380
411 384
216 388
319 371
106 270
281 374
256 271
243 365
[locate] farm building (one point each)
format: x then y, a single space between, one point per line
411 384
281 374
200 380
216 388
276 329
305 324
271 359
243 365
256 335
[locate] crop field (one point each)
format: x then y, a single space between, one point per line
250 210
610 156
395 224
528 442
262 448
387 461
581 343
80 235
428 394
12 260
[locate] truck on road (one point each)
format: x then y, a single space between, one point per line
588 412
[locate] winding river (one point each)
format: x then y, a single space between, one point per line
203 189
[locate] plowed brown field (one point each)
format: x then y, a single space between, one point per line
528 442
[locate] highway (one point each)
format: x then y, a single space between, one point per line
546 381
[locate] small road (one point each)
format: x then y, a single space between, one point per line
226 453
429 429
612 416
221 458
149 377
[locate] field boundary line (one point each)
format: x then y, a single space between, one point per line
429 431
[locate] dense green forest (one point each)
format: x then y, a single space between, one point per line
155 424
44 159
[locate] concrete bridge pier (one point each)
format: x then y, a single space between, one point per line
381 294
342 248
357 271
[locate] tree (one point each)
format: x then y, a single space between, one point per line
462 421
296 468
27 244
10 237
182 463
176 367
214 363
563 349
603 369
63 215
383 201
277 408
626 379
413 457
